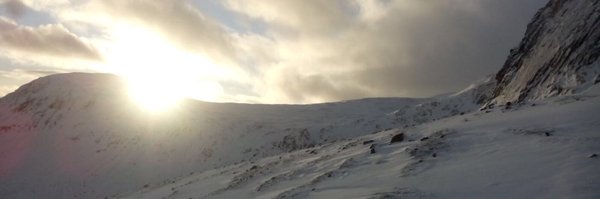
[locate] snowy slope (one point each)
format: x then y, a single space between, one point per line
80 136
534 151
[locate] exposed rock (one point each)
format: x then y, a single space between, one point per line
397 138
558 55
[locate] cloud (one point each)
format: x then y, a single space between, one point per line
334 50
15 8
49 40
23 74
295 86
178 21
310 15
304 50
11 79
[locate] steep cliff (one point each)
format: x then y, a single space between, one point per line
557 56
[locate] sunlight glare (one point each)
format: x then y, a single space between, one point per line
160 75
154 95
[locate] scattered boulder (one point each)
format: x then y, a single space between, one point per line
372 147
424 138
508 106
593 155
397 138
368 142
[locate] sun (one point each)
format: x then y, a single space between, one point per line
160 75
155 94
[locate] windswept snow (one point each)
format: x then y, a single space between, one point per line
81 136
78 136
62 142
540 151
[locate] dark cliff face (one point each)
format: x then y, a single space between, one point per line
558 54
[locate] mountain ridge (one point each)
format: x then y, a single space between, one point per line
558 54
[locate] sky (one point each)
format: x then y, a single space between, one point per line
268 51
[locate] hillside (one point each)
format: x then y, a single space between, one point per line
546 150
531 131
80 135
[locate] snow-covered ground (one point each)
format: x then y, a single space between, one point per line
541 150
81 136
533 131
59 139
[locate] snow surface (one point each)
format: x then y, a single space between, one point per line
81 136
540 151
60 138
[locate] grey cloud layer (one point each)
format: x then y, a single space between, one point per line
353 49
50 40
15 8
316 50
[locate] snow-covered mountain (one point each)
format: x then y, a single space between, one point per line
81 136
546 150
558 55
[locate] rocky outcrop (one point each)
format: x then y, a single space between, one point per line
558 55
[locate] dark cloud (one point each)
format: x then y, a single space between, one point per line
353 49
50 40
313 16
15 8
315 50
444 50
315 88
